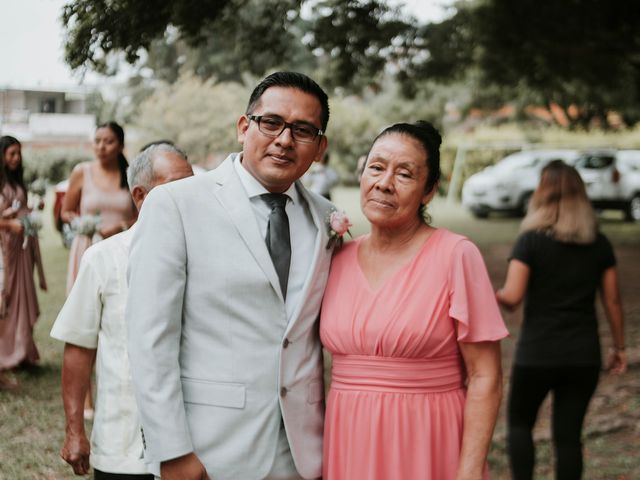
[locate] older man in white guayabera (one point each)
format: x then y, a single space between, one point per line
92 323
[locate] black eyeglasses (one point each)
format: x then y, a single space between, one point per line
273 126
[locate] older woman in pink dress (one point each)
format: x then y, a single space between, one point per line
412 324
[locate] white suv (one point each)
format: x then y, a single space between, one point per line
612 179
507 186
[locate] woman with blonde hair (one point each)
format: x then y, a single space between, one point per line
558 263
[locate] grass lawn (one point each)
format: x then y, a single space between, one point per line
32 420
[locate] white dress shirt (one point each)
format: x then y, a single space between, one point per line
93 317
303 234
301 228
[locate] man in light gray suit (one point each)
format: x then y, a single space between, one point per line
226 274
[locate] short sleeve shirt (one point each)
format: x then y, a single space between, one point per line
93 317
560 325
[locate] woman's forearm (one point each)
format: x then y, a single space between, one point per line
484 394
613 306
12 225
616 358
515 286
67 216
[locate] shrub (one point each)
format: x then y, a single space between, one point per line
53 164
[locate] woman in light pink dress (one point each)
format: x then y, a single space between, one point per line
99 188
411 321
19 308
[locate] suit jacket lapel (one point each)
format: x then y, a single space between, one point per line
320 252
233 198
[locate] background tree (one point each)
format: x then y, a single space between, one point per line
581 55
356 40
224 38
199 115
96 28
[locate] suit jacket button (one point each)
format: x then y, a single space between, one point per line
285 343
283 392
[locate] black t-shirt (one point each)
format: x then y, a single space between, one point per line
560 325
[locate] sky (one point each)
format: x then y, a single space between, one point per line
31 39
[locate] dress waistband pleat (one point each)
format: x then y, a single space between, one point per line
400 375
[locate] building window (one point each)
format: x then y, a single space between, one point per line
48 105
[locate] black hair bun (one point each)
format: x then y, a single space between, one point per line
431 131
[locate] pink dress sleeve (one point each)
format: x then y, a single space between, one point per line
472 299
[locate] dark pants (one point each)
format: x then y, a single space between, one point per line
572 388
98 475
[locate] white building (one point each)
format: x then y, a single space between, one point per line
46 115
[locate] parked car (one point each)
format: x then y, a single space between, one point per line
61 190
508 185
612 179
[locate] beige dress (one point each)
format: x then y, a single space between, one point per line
114 207
19 293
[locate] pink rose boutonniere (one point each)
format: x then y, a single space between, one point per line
338 225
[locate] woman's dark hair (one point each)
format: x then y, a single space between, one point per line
122 160
295 80
428 136
14 178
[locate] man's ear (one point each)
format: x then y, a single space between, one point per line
138 193
322 147
241 128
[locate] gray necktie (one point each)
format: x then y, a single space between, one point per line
278 239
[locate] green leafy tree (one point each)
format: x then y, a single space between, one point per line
582 55
260 36
96 28
199 115
355 40
346 43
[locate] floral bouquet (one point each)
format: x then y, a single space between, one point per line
39 189
339 224
32 224
85 225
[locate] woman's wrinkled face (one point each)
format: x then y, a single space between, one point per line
392 188
13 157
106 145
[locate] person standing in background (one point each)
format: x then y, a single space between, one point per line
321 178
92 322
20 257
98 187
559 262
